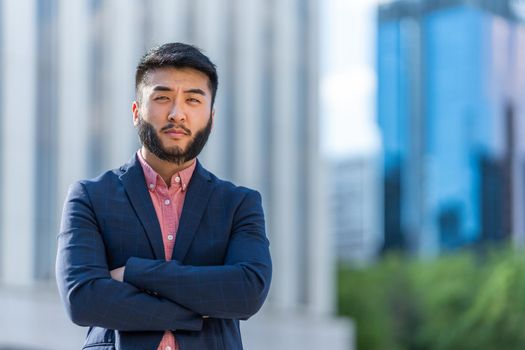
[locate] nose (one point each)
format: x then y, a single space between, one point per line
177 114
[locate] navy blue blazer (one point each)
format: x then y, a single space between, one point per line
220 272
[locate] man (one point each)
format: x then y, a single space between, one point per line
160 253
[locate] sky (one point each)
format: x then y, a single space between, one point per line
348 79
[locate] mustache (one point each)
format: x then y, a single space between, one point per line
175 126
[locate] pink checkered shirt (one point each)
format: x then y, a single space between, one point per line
168 204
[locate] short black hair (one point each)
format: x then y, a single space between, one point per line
177 55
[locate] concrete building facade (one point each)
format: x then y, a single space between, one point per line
67 84
356 209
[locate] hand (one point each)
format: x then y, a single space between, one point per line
118 273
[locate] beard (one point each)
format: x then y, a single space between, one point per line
151 140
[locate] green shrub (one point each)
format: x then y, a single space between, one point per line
455 302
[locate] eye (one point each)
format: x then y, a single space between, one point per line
193 100
161 98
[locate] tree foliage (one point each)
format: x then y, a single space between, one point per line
463 301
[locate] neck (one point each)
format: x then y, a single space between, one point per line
164 168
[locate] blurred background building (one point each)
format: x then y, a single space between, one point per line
356 209
451 88
67 83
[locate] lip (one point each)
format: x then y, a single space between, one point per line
176 133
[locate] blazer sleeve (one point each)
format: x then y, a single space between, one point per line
236 289
90 295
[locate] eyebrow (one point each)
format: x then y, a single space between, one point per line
195 91
162 88
189 91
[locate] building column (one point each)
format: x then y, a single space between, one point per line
283 227
74 95
215 37
124 47
321 274
18 140
249 137
171 21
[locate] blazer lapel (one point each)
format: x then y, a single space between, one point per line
195 203
135 186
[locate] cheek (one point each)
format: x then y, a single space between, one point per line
154 115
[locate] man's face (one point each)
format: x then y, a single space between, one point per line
174 115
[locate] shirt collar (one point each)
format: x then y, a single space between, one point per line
185 175
153 178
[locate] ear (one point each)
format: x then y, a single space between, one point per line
135 110
212 117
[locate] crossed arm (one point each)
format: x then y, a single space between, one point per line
183 294
91 296
236 289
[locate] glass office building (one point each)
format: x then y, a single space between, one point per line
450 109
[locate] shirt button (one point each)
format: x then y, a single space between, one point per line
151 186
177 179
170 237
167 348
167 202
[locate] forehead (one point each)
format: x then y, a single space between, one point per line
176 77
